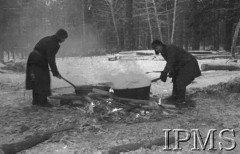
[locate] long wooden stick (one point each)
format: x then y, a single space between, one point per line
69 83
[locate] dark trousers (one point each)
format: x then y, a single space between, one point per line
38 98
178 92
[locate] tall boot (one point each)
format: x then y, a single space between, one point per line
44 101
174 91
35 98
181 95
173 97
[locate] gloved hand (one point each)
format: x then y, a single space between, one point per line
156 52
163 76
172 74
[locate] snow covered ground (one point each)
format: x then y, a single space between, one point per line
92 70
212 111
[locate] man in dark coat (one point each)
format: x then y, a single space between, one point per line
181 66
39 60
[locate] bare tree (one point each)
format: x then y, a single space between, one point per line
129 25
157 20
111 6
149 20
174 21
83 26
235 39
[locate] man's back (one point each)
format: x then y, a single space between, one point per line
177 54
47 44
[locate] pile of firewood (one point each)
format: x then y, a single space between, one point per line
102 106
107 107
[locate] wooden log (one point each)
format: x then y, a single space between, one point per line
116 103
23 145
67 97
201 52
88 99
213 57
146 107
133 101
134 146
144 53
127 103
95 95
2 71
105 93
207 67
30 141
108 84
102 92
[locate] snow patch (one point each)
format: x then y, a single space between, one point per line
2 65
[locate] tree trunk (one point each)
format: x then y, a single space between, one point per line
229 25
1 55
185 31
121 34
13 55
149 20
235 39
218 29
8 53
83 26
174 21
168 29
204 43
157 20
180 30
221 34
22 54
139 39
145 40
196 29
129 42
196 39
110 3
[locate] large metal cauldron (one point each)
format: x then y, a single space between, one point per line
141 93
85 89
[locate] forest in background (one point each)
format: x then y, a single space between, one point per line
108 26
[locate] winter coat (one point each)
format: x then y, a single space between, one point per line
182 63
38 64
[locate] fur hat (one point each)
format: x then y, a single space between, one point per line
156 43
62 34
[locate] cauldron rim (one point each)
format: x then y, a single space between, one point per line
131 88
142 93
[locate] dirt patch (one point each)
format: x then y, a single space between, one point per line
217 107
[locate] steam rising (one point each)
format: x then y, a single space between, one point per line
128 75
